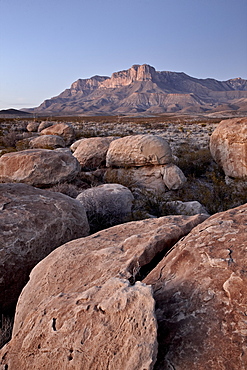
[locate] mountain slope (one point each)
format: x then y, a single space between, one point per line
142 89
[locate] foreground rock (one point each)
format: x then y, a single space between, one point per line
107 205
33 222
120 251
111 326
200 289
65 130
91 152
138 150
228 146
38 167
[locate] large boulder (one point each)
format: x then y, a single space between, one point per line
107 204
91 152
33 222
138 150
119 251
200 289
157 178
38 167
47 142
45 124
111 326
65 130
32 126
228 146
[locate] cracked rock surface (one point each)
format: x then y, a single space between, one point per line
106 327
200 289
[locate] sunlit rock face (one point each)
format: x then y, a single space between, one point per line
200 289
228 146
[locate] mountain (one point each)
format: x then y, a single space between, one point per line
143 90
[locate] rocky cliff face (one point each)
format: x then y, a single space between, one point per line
142 89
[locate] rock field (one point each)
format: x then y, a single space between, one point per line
126 270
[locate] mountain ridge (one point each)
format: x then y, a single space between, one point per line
142 89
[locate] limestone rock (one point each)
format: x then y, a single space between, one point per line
119 251
62 129
32 126
147 177
33 222
47 142
200 289
91 152
108 203
111 326
44 124
75 145
138 150
38 167
173 177
228 146
186 208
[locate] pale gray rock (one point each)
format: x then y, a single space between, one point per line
186 208
91 152
111 326
138 150
109 204
38 167
173 177
33 222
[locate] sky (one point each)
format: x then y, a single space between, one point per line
46 45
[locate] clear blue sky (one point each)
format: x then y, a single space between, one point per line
45 45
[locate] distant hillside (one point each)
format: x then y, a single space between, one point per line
5 113
143 90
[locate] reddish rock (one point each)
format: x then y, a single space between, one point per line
38 167
65 130
116 252
33 222
111 326
47 142
228 146
200 289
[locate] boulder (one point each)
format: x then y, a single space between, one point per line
186 208
47 142
65 130
119 251
75 145
228 146
38 167
33 222
110 326
91 152
138 150
107 204
45 124
155 178
173 177
200 289
32 126
147 177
